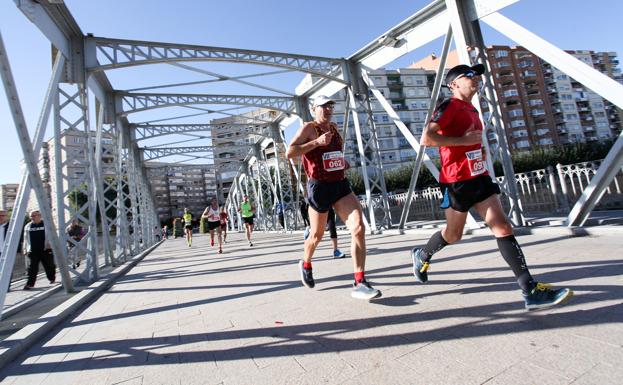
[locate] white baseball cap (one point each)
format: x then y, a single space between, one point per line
321 100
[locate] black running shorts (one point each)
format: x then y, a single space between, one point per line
213 225
461 196
322 195
248 220
189 227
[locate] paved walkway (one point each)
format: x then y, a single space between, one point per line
192 316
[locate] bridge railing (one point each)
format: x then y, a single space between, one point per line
547 190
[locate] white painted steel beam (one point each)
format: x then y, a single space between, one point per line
118 53
133 102
151 153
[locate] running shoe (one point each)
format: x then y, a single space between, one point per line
306 233
544 296
250 244
363 290
306 276
211 242
338 254
28 287
420 267
220 251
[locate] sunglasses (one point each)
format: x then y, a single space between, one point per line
328 106
469 75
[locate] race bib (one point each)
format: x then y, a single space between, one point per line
476 162
333 161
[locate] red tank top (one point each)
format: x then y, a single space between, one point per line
326 163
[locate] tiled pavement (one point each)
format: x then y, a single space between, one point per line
192 316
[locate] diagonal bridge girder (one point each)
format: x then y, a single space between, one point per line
117 53
152 153
136 102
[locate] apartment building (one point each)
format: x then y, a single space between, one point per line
176 187
8 195
233 143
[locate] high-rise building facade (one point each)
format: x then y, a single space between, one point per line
232 143
8 194
176 187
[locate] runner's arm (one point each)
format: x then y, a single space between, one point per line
303 141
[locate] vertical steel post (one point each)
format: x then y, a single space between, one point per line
31 164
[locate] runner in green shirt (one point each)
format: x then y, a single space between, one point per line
188 226
248 213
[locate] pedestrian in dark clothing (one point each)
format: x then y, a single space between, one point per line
38 249
304 206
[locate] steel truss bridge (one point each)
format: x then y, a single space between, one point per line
78 76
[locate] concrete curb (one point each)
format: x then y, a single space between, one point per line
23 339
11 310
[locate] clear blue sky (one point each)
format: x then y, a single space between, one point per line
323 27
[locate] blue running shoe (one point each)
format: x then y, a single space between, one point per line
306 233
420 268
337 254
544 296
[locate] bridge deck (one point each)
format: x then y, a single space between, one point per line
191 316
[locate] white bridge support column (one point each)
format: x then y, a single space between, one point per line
283 174
368 150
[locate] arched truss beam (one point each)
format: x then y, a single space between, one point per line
142 102
147 131
152 153
105 53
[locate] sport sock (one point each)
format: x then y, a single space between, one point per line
359 276
435 243
514 257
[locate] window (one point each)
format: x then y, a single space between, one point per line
568 106
542 131
536 102
501 53
545 141
518 123
525 63
571 116
502 64
522 144
515 113
562 77
512 92
420 82
519 133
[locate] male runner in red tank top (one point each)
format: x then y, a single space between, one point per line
457 130
320 144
